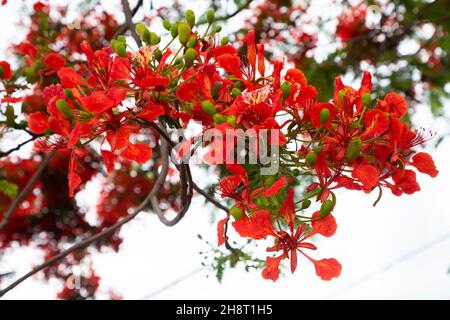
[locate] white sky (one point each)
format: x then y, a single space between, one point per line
398 250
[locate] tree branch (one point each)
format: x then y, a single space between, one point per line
16 148
24 192
129 21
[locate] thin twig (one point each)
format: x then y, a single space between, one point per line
24 192
16 148
129 21
124 27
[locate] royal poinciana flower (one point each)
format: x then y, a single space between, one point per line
122 103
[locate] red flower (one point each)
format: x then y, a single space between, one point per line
270 271
54 61
327 269
5 70
367 174
257 227
221 231
376 122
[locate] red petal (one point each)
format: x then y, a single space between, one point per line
406 181
270 271
288 208
425 164
258 227
7 72
367 174
139 152
54 61
187 91
231 64
325 226
97 102
109 159
251 49
221 231
155 81
396 104
69 77
327 269
37 122
366 83
275 187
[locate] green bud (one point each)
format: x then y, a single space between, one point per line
239 84
311 159
286 89
218 118
318 149
189 57
157 54
119 47
306 204
232 120
122 38
190 17
192 42
143 32
366 100
353 149
224 41
235 92
174 30
236 212
209 108
68 93
218 29
184 32
65 109
154 39
167 25
324 115
210 16
295 172
10 117
326 208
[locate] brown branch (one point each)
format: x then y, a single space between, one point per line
129 21
16 148
230 15
24 192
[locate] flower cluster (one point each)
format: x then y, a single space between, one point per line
118 96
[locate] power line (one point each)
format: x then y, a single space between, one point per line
172 284
393 263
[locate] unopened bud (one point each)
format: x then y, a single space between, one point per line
119 47
210 16
157 54
143 32
232 120
236 212
154 39
184 31
189 57
64 108
68 93
318 149
306 204
311 159
167 25
285 89
218 118
326 208
324 115
174 30
209 108
218 29
235 92
353 149
366 100
190 17
224 41
10 117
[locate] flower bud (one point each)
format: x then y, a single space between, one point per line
119 47
353 149
167 25
190 17
286 89
154 38
208 107
236 212
64 108
184 31
174 30
189 57
318 149
10 117
295 172
122 38
326 208
143 32
218 118
218 29
192 42
157 54
68 93
324 115
232 120
224 41
306 204
311 159
366 100
210 16
235 92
